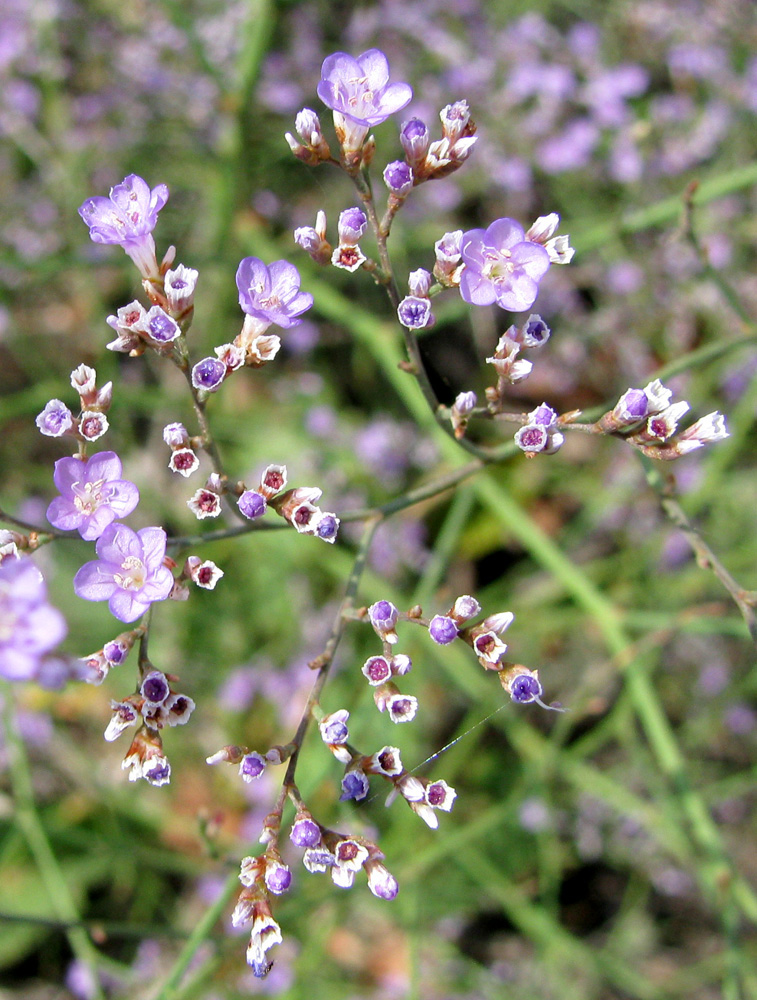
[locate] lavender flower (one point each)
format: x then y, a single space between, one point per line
351 226
126 219
415 312
55 420
252 766
359 88
442 630
29 626
272 293
354 786
208 374
398 177
333 727
415 140
159 326
93 494
501 266
129 573
252 504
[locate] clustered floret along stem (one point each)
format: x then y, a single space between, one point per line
503 265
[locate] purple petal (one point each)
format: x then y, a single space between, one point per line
504 234
63 515
476 289
67 472
94 581
153 542
117 543
103 465
126 606
375 67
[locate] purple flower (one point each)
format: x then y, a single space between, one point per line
360 89
354 786
55 419
501 266
442 630
252 766
272 293
525 688
208 374
333 727
305 832
381 882
129 573
93 495
252 504
155 687
159 326
398 177
29 626
414 312
351 226
127 218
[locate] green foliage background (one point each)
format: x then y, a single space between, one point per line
604 853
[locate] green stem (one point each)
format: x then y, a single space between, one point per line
30 824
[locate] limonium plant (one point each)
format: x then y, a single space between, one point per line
502 265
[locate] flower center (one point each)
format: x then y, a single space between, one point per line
134 575
498 267
88 496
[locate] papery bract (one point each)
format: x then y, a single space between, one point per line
129 573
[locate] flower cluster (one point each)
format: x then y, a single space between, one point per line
648 420
57 420
297 506
154 706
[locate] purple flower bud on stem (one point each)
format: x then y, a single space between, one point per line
442 630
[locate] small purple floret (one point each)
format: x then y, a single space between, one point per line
252 504
155 687
351 225
305 833
208 374
130 212
327 527
252 766
524 689
55 419
442 630
414 312
278 879
272 293
354 786
398 177
127 218
532 438
92 494
160 327
360 89
501 266
384 616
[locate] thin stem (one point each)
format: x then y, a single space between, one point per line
30 824
706 558
323 662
